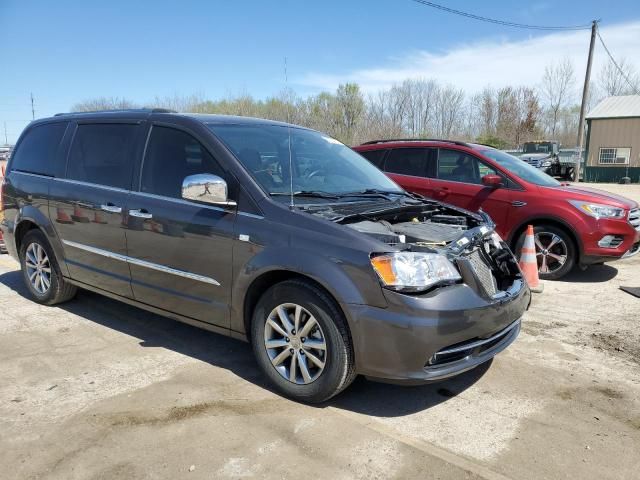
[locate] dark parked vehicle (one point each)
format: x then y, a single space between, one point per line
573 225
262 231
546 157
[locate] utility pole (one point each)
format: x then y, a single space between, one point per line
33 111
585 94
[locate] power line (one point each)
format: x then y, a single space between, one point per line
624 75
500 22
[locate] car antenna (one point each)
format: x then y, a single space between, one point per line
286 84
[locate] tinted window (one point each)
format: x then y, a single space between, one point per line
374 156
520 168
458 166
103 154
171 156
407 161
38 150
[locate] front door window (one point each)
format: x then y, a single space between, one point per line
456 166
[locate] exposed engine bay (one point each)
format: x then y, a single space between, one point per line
436 231
467 239
431 227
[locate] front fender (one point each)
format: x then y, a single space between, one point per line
349 279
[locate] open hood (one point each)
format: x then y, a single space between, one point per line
418 225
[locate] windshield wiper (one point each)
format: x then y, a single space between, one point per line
306 193
374 192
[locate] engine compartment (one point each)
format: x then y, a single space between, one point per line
430 228
484 260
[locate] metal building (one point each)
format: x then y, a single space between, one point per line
613 140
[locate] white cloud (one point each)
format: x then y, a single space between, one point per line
492 62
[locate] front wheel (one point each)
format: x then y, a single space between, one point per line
556 251
301 342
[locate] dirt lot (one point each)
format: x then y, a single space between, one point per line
97 389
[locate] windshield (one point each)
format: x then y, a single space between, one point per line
521 168
319 163
537 147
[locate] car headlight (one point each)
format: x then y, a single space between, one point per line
597 210
413 271
546 163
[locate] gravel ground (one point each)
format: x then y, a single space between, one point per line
97 389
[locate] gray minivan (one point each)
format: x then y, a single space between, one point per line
266 232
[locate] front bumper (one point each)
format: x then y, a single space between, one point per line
422 338
594 253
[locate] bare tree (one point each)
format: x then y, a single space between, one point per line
488 111
449 105
194 103
527 115
612 82
414 108
103 103
348 110
420 95
557 85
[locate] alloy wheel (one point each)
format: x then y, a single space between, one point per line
551 252
295 343
38 268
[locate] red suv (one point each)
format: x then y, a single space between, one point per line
573 225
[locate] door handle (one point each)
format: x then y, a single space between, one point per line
111 208
519 203
140 213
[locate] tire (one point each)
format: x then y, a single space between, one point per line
58 290
338 358
544 235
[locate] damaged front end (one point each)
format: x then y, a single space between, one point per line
433 245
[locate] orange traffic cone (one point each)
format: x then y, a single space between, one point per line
529 263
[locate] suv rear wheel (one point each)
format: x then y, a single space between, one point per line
556 251
301 342
41 271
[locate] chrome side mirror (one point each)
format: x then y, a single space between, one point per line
206 188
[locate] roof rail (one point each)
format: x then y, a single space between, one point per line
455 142
123 110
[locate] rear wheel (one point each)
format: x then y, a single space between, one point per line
301 342
556 251
41 271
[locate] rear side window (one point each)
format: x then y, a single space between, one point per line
171 156
374 156
38 150
407 161
103 154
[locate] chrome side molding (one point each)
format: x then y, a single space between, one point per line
142 263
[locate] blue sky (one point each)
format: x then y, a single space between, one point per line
67 51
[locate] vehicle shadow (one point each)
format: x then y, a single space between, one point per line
386 400
236 356
593 274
